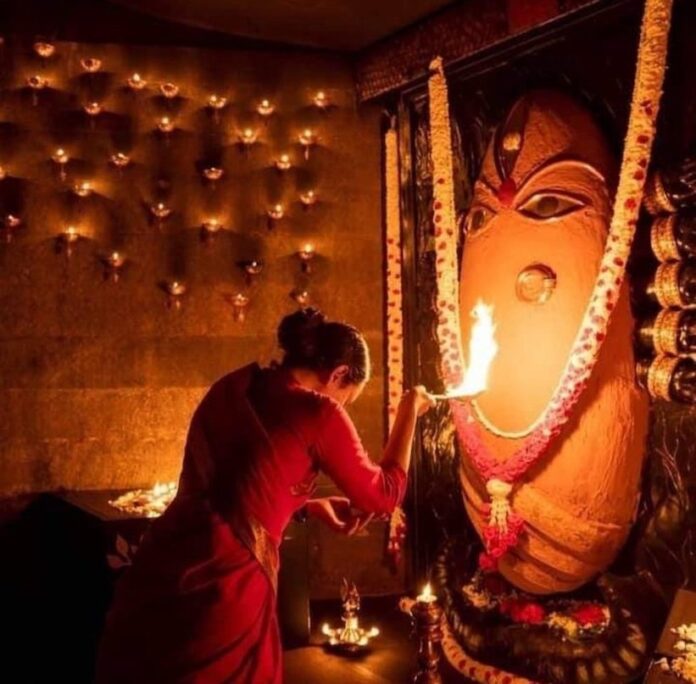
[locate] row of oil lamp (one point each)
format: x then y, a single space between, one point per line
169 90
175 289
120 160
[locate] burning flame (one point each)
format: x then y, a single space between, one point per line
482 351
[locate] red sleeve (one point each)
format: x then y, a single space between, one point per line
340 454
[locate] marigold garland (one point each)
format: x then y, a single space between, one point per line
504 526
394 302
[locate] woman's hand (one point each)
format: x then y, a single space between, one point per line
419 399
337 513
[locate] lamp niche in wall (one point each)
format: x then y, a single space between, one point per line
321 100
307 138
174 290
252 269
120 160
306 255
210 227
283 162
113 264
36 83
10 225
215 104
240 303
247 137
61 158
275 213
67 239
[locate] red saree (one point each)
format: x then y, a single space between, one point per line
198 604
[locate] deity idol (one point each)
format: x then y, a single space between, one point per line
535 235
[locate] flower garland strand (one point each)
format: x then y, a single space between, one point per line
394 301
504 527
448 329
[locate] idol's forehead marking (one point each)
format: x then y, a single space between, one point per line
561 163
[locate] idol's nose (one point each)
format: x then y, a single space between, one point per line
535 283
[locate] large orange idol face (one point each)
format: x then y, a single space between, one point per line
534 236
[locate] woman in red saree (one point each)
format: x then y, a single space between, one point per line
198 605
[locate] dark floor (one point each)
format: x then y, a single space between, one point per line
392 659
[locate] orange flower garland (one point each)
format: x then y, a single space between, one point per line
394 302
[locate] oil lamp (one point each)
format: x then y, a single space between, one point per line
160 211
320 100
307 139
68 237
247 137
210 227
302 297
113 263
275 212
351 638
169 90
93 108
148 502
217 102
427 617
283 163
136 81
175 290
61 158
240 302
265 108
165 125
308 198
306 254
91 64
10 224
251 269
120 160
3 173
44 49
36 83
213 173
83 189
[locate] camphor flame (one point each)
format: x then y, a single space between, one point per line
482 350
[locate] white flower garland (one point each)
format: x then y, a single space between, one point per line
394 303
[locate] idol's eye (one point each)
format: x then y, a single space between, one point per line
477 219
546 205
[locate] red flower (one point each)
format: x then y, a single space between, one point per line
526 612
589 615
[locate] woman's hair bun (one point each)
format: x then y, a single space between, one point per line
296 332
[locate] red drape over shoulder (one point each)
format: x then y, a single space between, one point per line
198 604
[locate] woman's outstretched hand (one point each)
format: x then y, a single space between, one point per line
337 513
421 400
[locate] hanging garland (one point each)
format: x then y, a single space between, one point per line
474 670
395 336
504 526
448 330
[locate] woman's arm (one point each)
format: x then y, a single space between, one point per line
372 488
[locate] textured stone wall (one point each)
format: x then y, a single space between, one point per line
98 379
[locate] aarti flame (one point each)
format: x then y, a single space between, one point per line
482 350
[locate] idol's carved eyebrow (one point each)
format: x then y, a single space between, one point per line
484 184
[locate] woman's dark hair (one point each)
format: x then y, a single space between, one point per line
311 341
